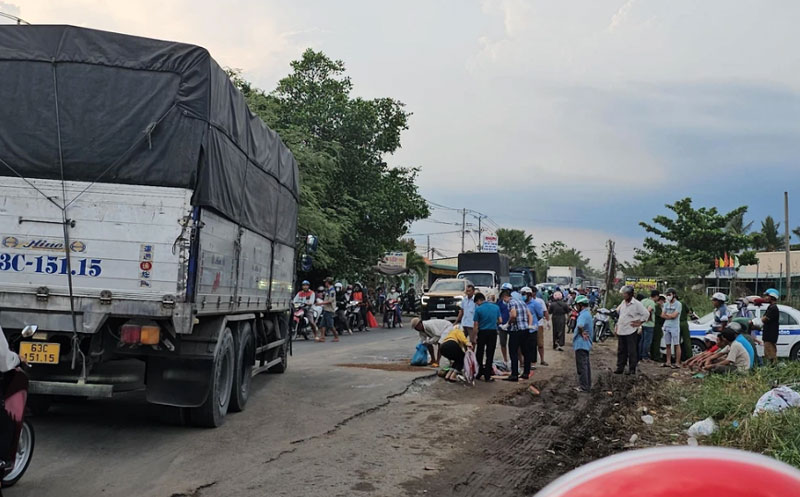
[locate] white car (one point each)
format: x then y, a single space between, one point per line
788 338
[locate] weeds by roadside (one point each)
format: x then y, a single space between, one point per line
730 400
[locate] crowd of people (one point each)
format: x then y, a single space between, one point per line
338 309
517 320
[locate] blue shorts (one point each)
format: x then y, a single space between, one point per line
672 337
327 320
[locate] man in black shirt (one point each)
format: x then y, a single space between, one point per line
770 320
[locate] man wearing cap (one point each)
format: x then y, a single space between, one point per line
328 310
430 332
721 315
631 316
582 343
530 344
710 341
306 298
770 328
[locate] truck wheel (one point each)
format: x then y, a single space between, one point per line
281 367
212 413
245 358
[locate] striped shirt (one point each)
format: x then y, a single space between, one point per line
521 323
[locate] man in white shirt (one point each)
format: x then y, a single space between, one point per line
631 316
430 332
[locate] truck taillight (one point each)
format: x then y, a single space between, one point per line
134 334
150 335
130 334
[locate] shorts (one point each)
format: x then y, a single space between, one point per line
770 351
327 320
503 334
672 337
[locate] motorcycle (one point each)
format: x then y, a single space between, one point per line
300 323
602 324
572 321
15 393
352 314
391 314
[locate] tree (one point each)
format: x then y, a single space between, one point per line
737 225
517 245
692 239
769 238
350 198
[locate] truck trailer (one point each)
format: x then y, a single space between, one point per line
148 221
486 270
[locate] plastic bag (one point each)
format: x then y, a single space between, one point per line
777 400
703 428
470 366
420 357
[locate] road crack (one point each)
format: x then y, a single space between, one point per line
196 492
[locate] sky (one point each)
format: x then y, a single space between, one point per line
571 120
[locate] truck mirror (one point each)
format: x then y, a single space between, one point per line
29 330
311 244
306 262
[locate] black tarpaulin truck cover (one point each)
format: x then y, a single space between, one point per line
131 110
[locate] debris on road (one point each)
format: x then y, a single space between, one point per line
776 400
648 419
703 428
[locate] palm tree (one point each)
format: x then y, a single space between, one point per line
737 226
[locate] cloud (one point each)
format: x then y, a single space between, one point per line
246 35
619 18
9 8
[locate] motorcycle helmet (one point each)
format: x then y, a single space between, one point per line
719 296
506 286
338 285
771 292
582 299
526 289
671 291
305 282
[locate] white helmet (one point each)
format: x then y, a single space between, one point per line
526 289
338 285
719 296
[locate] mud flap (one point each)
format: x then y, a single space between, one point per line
178 382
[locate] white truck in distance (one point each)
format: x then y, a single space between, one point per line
563 276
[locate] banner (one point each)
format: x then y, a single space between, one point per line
394 260
489 243
642 284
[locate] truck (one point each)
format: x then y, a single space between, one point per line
563 276
486 270
148 222
521 277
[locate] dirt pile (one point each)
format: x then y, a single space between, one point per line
552 434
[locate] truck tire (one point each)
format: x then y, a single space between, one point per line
212 413
283 353
243 372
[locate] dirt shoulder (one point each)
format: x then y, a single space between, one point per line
518 443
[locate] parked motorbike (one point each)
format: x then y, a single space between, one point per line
572 321
352 311
300 321
391 314
602 323
15 396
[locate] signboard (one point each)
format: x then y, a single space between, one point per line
725 272
394 260
489 243
642 284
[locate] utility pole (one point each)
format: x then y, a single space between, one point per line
788 251
480 233
609 268
463 227
428 247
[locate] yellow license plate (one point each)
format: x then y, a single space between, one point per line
40 352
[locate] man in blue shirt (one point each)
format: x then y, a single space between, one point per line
530 344
721 315
582 343
487 317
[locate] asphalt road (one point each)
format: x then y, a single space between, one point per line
125 447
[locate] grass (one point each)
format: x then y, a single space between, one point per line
732 398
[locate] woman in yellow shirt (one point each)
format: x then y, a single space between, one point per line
453 346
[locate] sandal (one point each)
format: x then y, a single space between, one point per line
675 366
336 339
665 365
